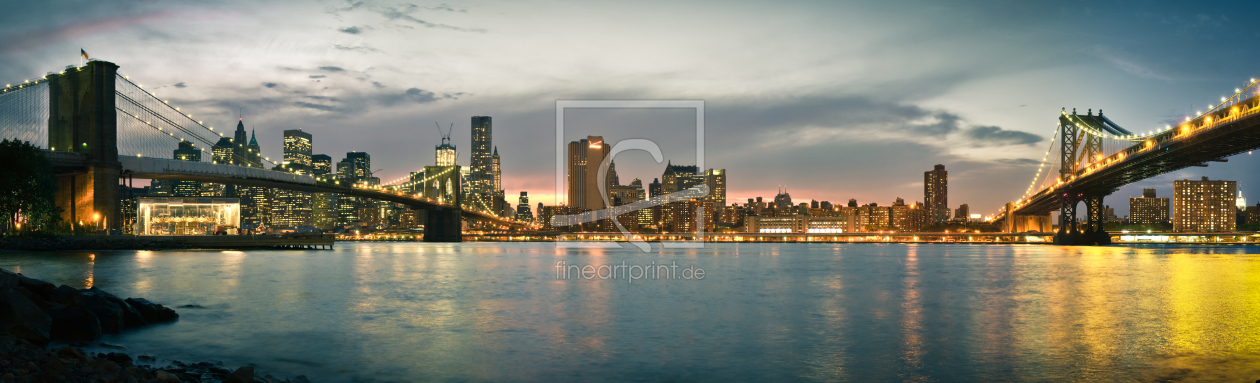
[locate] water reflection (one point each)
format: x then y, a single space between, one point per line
815 312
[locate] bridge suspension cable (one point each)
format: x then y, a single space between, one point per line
24 112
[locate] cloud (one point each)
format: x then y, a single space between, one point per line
420 96
444 7
377 85
270 84
360 48
325 108
404 13
1129 64
1018 161
984 136
317 76
331 69
49 36
180 85
351 30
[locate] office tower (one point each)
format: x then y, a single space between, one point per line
936 193
297 150
495 194
224 151
186 152
444 154
678 177
481 170
356 168
1204 206
853 202
321 164
323 205
585 157
1148 208
654 188
962 213
522 208
783 200
716 180
255 200
826 205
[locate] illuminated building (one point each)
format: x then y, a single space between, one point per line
1204 206
936 193
678 177
445 154
481 171
186 152
186 216
523 212
323 205
715 179
783 200
962 213
584 159
290 208
297 150
1148 208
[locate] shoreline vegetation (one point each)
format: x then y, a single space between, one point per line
35 314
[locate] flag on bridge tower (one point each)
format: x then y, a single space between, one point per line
83 53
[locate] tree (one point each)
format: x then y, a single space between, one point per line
27 188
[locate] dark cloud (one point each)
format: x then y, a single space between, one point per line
325 108
180 85
333 99
418 95
404 13
377 85
332 69
1018 161
317 76
270 84
351 30
358 48
982 136
945 124
444 7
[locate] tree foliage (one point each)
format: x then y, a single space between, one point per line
27 188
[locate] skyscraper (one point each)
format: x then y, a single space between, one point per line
290 208
297 150
522 208
356 168
445 154
186 152
678 177
255 200
323 205
585 157
481 171
1148 208
716 180
1204 206
654 188
936 193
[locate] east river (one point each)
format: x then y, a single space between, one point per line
385 312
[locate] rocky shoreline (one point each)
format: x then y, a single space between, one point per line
34 313
85 243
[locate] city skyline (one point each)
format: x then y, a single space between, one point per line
877 94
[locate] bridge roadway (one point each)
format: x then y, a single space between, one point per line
1234 132
170 169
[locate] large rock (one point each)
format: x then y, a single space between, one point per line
241 375
130 317
8 279
75 324
22 318
41 288
68 296
152 312
110 315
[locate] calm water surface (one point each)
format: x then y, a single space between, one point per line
378 312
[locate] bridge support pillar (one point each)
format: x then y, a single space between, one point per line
1068 234
1094 233
82 118
443 225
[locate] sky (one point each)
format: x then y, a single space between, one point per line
832 100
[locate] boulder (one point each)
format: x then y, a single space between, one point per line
241 375
75 324
41 288
110 315
152 312
8 279
68 296
131 317
22 318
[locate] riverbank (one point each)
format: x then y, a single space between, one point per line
129 242
86 242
